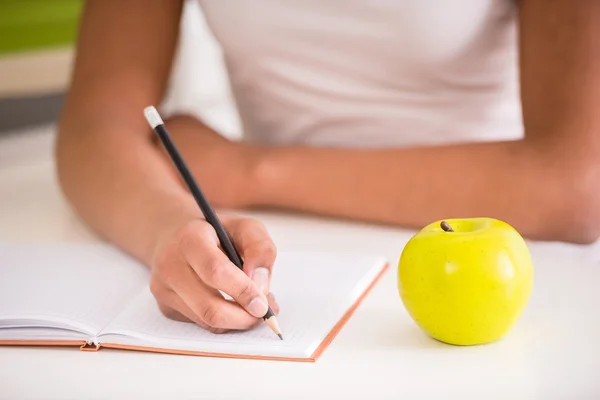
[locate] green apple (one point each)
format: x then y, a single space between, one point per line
466 281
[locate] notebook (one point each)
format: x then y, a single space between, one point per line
94 296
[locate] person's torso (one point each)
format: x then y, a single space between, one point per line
371 73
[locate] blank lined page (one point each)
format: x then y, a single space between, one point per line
314 291
84 285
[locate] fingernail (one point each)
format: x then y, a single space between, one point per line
257 307
260 276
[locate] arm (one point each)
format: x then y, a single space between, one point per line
546 185
118 182
107 165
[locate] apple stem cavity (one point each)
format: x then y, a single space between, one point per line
446 227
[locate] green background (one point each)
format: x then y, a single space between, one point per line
27 25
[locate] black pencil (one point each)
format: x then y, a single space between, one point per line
229 249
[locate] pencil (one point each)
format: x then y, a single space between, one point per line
157 124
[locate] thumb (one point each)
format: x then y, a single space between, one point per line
259 258
262 278
256 249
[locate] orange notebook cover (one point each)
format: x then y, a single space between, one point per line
95 297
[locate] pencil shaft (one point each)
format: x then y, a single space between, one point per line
209 213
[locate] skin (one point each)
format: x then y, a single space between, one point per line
128 191
546 185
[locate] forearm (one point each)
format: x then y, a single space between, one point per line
108 167
120 186
412 187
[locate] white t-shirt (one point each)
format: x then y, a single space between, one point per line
371 73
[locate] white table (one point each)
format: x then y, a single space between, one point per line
553 352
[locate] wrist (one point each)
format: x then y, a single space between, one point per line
171 216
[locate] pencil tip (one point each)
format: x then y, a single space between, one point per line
280 336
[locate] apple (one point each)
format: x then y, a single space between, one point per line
466 281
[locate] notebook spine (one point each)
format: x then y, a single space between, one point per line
91 345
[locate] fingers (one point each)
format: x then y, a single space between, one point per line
189 272
193 301
256 248
211 307
170 309
216 271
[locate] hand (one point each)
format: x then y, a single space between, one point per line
220 166
189 269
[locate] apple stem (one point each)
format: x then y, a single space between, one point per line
446 227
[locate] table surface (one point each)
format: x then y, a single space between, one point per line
553 351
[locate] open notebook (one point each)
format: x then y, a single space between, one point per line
95 296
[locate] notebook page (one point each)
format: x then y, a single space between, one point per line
314 291
41 334
78 286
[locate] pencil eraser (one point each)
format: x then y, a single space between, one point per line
152 116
